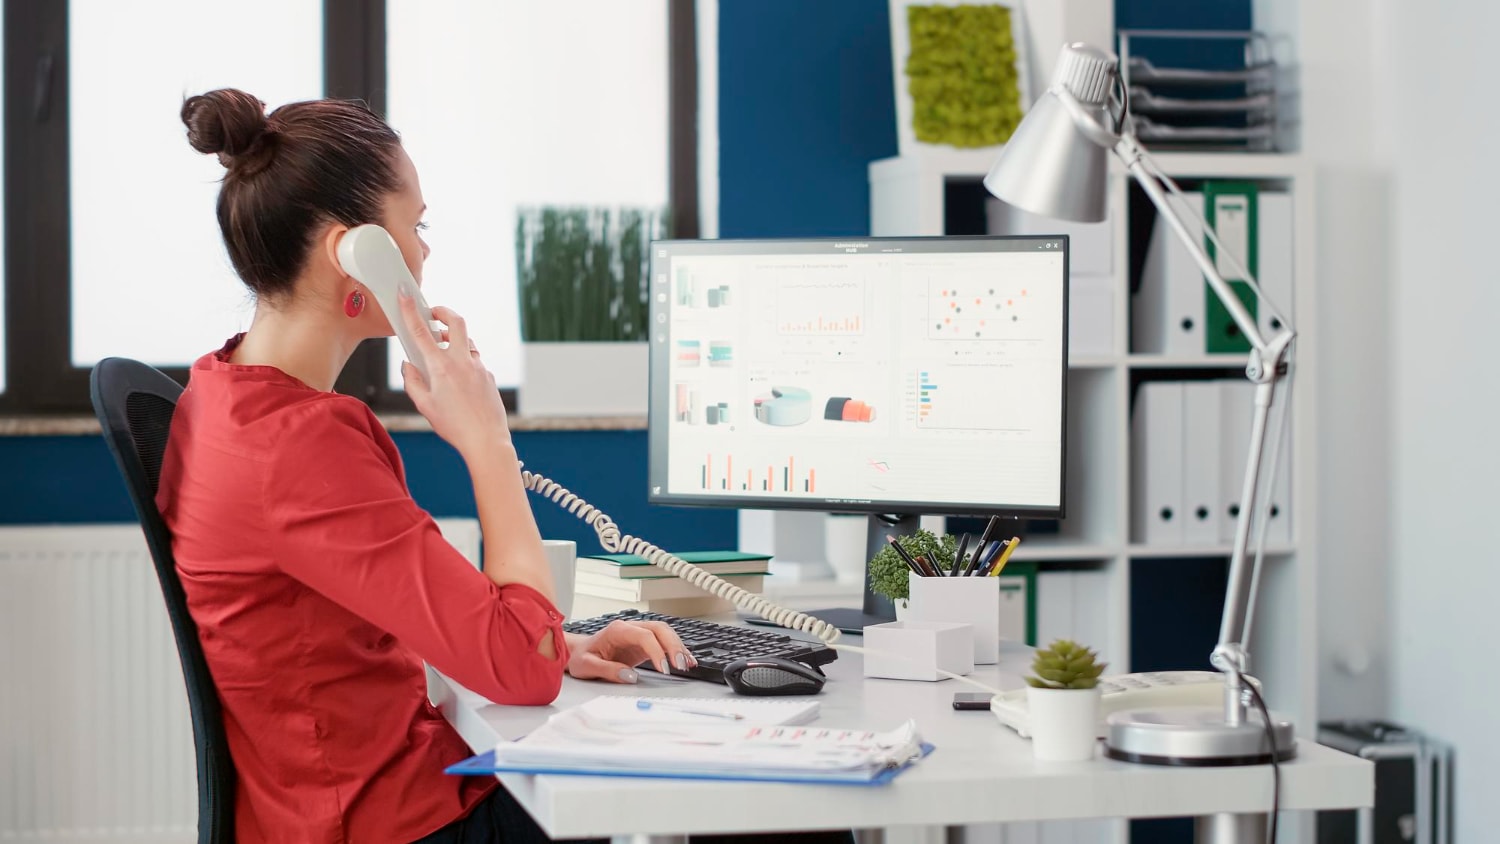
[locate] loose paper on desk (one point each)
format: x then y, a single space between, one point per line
582 739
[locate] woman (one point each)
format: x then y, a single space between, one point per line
317 583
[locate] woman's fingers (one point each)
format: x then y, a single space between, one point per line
458 330
416 325
671 643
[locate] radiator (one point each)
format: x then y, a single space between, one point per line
96 743
95 736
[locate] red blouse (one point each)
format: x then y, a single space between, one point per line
319 587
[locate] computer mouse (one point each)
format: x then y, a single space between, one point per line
772 675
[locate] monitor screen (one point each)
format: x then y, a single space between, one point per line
890 375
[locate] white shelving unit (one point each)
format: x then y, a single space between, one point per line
908 196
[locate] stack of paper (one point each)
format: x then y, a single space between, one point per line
702 739
613 582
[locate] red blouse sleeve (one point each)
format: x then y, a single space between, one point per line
343 522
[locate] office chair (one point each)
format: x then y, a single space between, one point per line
135 404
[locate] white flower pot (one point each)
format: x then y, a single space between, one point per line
1063 723
903 609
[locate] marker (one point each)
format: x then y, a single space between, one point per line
1005 556
984 544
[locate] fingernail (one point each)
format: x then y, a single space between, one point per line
661 666
692 660
681 660
627 675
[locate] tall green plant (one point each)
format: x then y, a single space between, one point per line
582 272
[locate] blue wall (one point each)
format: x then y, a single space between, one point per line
73 480
805 103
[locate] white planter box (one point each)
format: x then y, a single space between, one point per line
917 650
584 379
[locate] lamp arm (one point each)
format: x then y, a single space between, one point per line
1267 365
1129 150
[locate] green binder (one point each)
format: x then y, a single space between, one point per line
1231 209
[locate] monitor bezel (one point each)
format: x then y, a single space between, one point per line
658 417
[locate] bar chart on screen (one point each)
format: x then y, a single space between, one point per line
815 306
729 473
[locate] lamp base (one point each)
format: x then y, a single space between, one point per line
1195 736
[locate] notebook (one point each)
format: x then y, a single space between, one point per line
707 738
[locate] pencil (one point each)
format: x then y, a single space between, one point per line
907 558
1005 556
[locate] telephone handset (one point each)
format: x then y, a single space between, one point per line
1149 690
370 255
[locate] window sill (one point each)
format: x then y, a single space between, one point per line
77 425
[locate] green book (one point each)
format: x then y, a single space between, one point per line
632 566
690 556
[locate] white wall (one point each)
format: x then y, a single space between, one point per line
1396 114
1337 80
1443 401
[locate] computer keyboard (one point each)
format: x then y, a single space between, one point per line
716 645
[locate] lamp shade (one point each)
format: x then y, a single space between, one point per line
1050 166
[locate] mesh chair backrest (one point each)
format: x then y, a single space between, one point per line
135 404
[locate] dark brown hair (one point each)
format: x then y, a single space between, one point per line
307 165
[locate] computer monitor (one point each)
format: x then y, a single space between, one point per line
890 376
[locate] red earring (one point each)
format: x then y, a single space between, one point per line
354 304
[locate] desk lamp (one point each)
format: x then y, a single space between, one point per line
1054 165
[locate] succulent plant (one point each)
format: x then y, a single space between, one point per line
1065 665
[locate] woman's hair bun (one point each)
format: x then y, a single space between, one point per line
227 121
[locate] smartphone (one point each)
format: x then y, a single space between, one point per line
971 700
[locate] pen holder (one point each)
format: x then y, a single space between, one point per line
916 650
966 600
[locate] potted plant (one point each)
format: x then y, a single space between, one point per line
888 572
583 287
1064 701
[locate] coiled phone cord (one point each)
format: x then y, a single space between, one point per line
616 542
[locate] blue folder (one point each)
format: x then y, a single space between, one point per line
484 765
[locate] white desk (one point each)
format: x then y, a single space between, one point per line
981 773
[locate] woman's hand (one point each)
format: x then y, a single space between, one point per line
612 653
458 395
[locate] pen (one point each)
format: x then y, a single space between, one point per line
984 544
644 705
1005 556
958 556
905 557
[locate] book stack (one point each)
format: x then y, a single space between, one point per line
613 582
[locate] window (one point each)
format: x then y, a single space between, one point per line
150 276
507 105
111 245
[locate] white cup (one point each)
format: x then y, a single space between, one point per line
562 557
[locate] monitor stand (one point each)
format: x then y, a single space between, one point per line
877 609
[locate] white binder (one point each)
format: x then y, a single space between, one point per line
1202 443
1237 404
1168 317
1156 458
1276 258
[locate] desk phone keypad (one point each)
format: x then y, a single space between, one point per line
716 645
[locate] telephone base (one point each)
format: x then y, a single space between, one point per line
1194 736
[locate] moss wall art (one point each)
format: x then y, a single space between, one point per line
962 74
